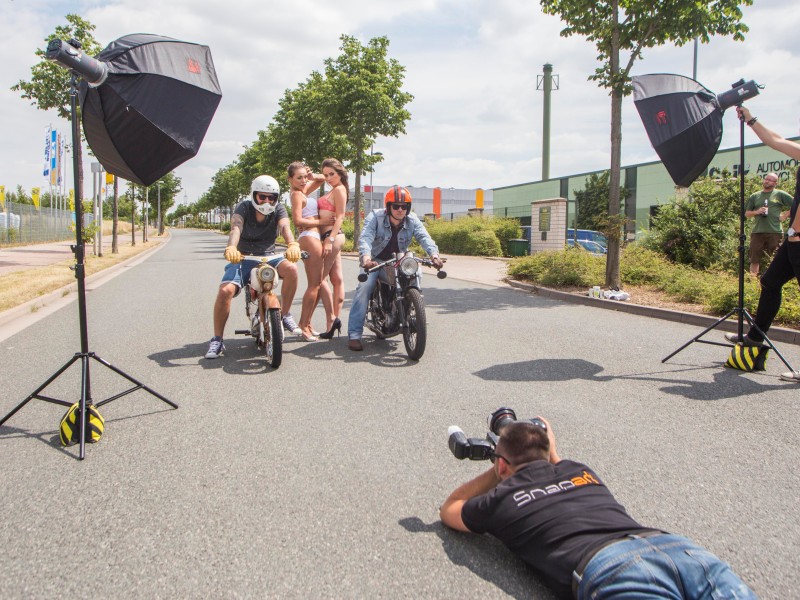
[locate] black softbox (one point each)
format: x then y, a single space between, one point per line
683 120
151 113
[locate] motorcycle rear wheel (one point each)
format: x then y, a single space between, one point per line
273 338
415 333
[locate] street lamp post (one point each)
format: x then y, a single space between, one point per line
158 220
372 153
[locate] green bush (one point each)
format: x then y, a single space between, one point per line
573 267
470 236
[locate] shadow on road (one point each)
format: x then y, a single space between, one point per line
456 301
727 383
486 557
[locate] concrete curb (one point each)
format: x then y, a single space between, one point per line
67 293
776 334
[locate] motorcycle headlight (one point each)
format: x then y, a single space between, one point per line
409 266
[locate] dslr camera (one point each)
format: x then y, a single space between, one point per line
483 449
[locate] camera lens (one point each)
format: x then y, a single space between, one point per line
500 418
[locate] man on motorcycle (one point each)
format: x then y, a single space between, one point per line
255 225
386 231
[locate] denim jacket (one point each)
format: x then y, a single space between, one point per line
377 233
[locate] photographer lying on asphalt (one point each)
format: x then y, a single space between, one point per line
558 517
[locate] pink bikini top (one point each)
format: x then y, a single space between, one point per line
324 202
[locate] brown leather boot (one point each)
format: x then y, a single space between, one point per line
355 345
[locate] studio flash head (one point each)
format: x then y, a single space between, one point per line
70 55
740 91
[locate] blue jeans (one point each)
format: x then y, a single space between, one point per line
358 311
239 273
662 566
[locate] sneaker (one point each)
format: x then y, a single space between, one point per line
793 376
290 325
734 338
216 348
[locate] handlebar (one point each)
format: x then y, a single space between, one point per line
426 262
303 255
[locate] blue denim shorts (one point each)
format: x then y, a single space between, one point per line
240 272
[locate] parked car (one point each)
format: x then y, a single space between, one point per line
588 245
588 234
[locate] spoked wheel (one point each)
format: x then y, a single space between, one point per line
273 340
415 333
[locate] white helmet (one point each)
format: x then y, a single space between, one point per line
264 184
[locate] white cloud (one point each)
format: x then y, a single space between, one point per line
472 66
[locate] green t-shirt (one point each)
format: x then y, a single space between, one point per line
778 201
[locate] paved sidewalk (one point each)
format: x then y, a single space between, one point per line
19 258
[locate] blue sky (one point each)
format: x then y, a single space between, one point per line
471 65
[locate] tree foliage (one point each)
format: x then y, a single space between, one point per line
338 113
621 30
49 85
702 231
591 202
364 99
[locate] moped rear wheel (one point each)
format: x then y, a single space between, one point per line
415 332
273 338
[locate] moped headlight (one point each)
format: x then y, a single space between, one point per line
409 266
266 274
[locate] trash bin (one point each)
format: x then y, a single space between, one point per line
518 247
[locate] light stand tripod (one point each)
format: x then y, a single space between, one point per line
84 355
740 311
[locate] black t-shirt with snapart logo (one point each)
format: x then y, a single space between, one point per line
258 238
550 516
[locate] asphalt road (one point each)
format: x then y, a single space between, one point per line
323 478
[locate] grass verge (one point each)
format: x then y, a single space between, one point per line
21 286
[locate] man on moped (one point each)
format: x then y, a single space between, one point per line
386 231
255 225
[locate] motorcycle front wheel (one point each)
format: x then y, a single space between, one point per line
415 332
273 342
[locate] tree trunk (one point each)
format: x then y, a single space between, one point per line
357 202
612 258
115 218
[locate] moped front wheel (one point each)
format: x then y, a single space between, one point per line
273 338
415 332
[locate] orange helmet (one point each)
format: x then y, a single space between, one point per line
397 194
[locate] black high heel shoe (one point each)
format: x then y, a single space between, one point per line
336 326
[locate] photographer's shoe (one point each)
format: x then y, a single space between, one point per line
793 376
215 348
746 341
290 325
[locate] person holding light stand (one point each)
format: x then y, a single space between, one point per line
785 264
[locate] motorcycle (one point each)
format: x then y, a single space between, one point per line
263 309
397 306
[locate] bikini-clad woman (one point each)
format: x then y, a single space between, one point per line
333 204
307 221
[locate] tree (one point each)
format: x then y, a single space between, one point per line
300 130
618 26
591 203
49 87
362 99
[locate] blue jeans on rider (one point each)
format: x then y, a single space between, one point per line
662 566
240 272
358 311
